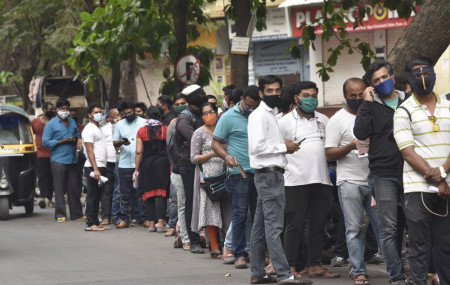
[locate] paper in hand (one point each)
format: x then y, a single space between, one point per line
103 179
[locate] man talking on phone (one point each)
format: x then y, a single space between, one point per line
61 136
375 120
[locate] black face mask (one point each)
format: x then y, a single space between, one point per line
272 101
130 118
50 114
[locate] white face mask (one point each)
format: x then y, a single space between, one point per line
225 103
98 117
63 114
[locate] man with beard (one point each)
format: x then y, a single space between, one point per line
422 133
165 104
267 151
187 122
375 121
43 165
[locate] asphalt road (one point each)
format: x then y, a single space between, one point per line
37 250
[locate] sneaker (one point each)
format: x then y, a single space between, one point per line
170 232
61 220
83 218
42 203
135 223
196 248
161 229
376 259
290 280
152 229
240 263
337 261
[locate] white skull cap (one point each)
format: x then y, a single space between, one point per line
191 88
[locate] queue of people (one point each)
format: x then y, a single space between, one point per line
253 182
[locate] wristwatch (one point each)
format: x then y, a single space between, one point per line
443 173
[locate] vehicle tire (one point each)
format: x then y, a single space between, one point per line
4 208
29 207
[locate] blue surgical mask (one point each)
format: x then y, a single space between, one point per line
98 117
385 88
246 112
354 103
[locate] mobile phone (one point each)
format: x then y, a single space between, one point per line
125 139
300 141
75 136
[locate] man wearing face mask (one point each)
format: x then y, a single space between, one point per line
125 137
227 91
108 130
375 121
422 133
267 151
352 173
43 166
96 153
187 122
164 104
139 109
232 129
61 135
307 182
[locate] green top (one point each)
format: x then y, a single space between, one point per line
393 103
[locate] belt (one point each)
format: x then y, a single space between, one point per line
270 169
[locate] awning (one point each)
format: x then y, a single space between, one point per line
290 3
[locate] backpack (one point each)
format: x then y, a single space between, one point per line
175 142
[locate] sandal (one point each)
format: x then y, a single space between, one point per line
361 281
228 258
325 273
270 270
94 229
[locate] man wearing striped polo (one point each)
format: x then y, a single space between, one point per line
422 133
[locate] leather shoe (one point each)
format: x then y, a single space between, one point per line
146 224
240 263
263 280
122 225
196 248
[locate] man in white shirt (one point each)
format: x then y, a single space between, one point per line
267 151
95 151
352 176
422 133
108 129
307 181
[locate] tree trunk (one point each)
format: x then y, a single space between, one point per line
128 80
179 20
427 35
114 86
239 62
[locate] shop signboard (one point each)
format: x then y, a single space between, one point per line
379 18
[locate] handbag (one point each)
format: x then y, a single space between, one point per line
215 187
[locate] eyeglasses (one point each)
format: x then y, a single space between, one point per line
248 107
208 112
433 120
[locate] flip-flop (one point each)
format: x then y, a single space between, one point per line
105 228
93 229
362 281
228 258
270 270
325 273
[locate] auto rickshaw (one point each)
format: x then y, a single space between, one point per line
17 160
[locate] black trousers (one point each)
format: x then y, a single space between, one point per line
45 177
93 196
65 180
187 175
428 234
156 208
311 201
108 191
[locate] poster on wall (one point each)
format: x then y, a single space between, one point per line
219 66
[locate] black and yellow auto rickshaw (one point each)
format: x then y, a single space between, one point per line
17 160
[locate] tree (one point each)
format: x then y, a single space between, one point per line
430 23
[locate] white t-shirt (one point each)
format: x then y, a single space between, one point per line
309 164
93 134
110 149
350 168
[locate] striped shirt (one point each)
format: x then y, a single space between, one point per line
432 146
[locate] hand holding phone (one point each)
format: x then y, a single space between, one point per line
300 141
125 141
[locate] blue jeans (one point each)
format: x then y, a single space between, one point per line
173 214
388 192
243 196
115 208
128 195
355 199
